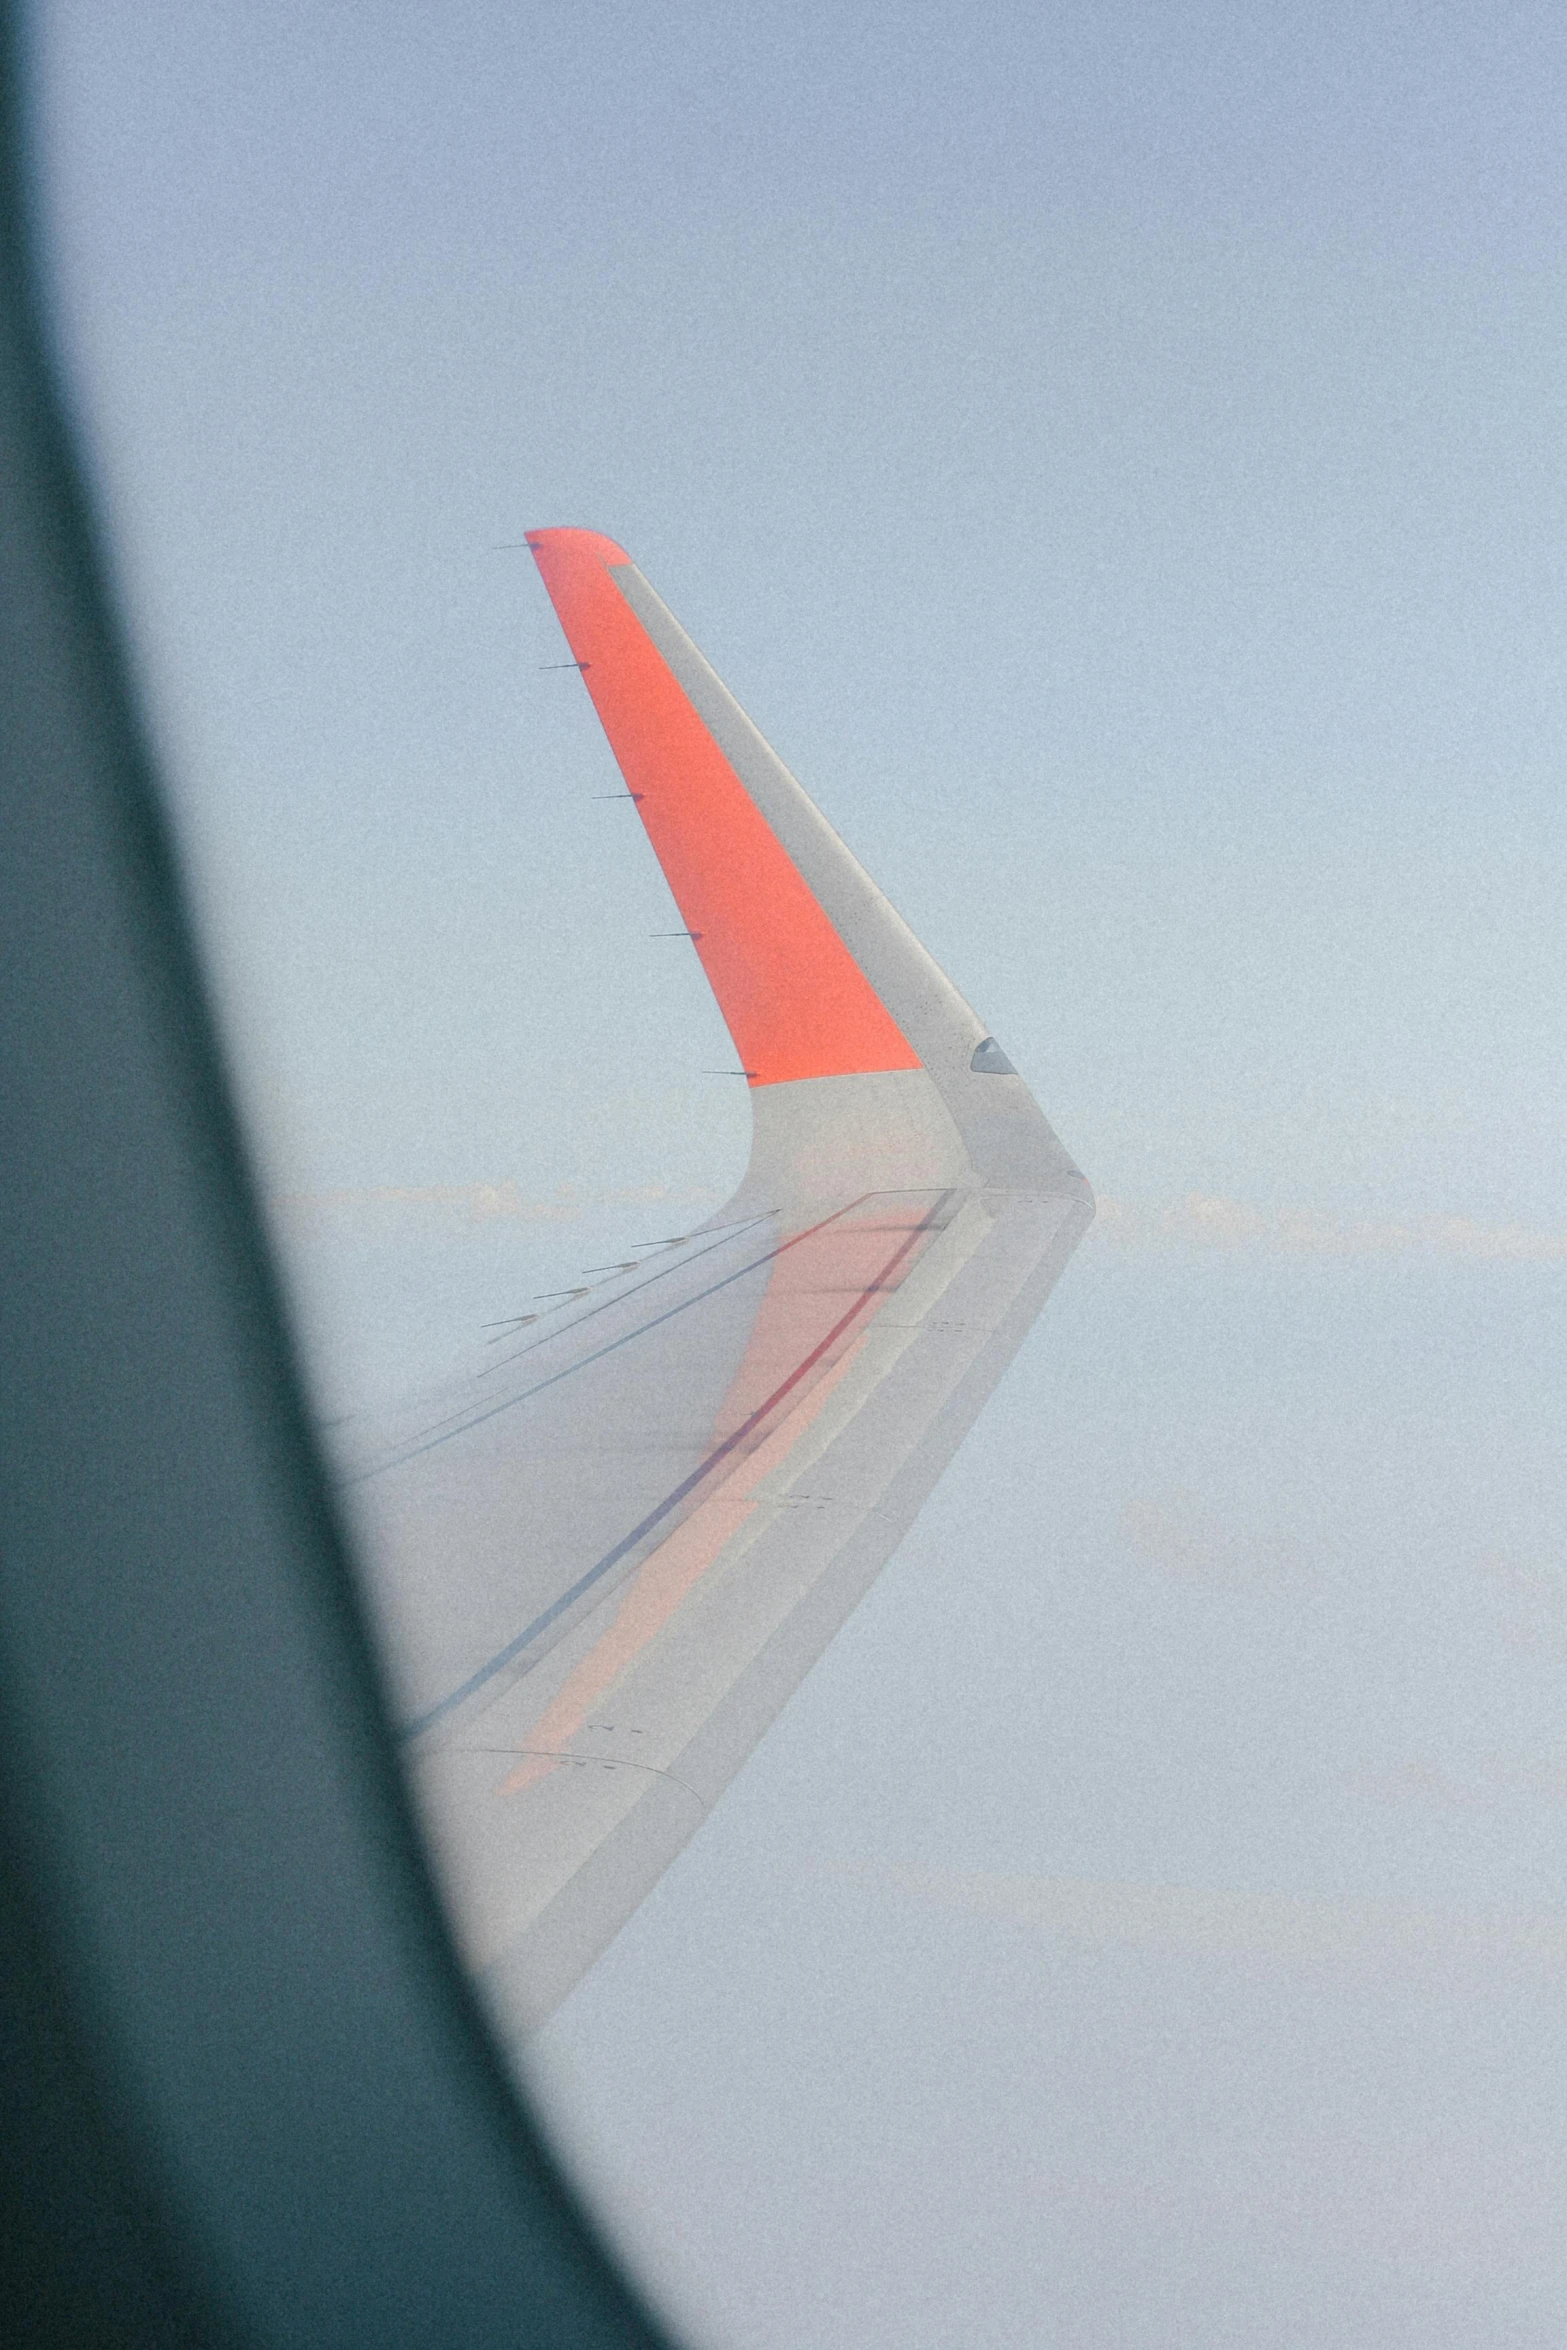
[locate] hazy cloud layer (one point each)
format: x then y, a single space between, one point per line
484 1203
1204 1220
1220 1923
1197 1220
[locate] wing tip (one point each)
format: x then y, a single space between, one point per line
569 541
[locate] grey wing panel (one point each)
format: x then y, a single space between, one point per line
501 1513
495 1513
556 1806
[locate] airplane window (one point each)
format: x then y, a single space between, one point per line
1113 457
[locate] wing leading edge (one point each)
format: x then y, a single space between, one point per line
603 1563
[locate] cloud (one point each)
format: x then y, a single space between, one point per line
1199 1220
1172 1532
1474 1787
1167 1532
1210 1220
483 1203
1203 1921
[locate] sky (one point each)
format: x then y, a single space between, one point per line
1116 453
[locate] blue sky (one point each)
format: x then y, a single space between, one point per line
1117 455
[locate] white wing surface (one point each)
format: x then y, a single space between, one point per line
603 1562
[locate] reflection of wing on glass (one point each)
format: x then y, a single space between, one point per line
606 1559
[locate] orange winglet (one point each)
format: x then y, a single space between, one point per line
796 1002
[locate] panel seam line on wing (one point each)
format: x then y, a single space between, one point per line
726 1232
603 1762
686 1486
443 1433
478 1419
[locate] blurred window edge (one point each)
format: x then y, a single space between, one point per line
247 2094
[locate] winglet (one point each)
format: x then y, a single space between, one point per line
796 1001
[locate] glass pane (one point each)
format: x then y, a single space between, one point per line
1117 458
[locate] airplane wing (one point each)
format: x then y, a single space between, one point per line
603 1561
